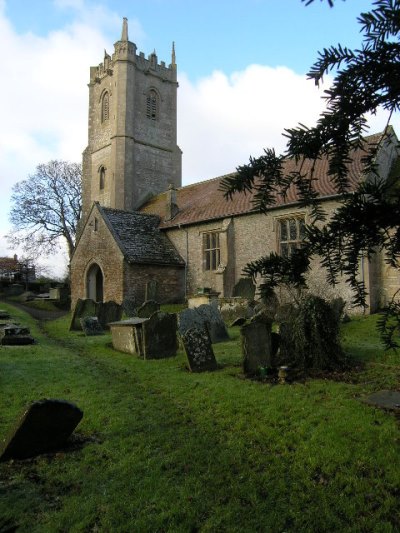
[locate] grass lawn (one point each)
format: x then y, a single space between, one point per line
166 450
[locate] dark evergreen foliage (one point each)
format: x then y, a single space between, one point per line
310 336
368 220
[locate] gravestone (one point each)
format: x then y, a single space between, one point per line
44 427
204 317
108 312
160 336
83 308
4 315
256 346
199 351
151 290
148 308
15 335
91 326
245 288
129 307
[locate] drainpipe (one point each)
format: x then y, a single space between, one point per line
186 258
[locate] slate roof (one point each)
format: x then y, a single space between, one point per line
139 238
203 201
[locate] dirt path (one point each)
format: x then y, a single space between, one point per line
39 314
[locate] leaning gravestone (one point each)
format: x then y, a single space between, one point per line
256 346
82 308
91 326
245 288
151 290
199 351
148 308
204 317
159 336
44 427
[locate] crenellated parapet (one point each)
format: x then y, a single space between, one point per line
125 50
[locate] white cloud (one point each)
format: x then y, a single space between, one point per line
225 119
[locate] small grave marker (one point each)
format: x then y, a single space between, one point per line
91 326
199 352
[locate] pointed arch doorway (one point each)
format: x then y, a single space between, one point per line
94 283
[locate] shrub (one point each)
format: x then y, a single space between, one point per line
310 336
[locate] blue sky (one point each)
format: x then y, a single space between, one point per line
241 69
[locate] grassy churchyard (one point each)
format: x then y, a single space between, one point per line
160 449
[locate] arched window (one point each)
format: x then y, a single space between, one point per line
105 107
152 105
102 177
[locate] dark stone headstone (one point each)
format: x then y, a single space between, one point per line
4 315
129 307
256 346
151 290
148 308
385 399
160 336
91 326
245 288
108 312
204 317
44 427
198 349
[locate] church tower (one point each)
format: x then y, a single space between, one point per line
132 151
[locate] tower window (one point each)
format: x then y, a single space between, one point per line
105 107
102 178
152 105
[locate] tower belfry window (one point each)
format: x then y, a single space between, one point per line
105 107
152 105
102 178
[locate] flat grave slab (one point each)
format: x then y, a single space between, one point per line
386 399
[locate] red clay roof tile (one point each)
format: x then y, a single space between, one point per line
204 201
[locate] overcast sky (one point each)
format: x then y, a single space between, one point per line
242 68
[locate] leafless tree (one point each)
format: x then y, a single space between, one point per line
47 206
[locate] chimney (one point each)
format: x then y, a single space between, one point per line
172 207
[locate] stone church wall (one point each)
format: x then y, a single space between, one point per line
170 282
248 238
97 245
